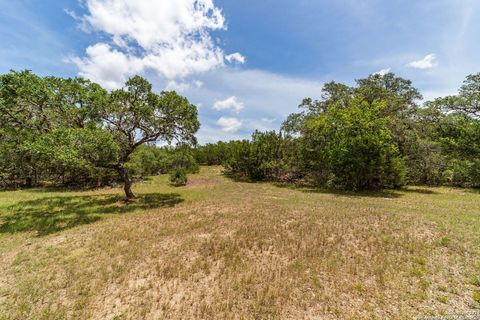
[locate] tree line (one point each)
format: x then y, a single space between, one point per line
373 135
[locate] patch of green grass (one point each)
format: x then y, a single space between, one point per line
444 241
359 287
417 272
443 288
420 261
475 280
476 296
442 298
424 284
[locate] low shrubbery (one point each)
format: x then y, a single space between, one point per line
178 177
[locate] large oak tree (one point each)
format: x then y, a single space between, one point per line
135 115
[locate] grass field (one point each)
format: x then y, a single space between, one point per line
219 249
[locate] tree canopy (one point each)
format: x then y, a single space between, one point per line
77 130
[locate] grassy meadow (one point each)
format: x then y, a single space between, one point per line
220 249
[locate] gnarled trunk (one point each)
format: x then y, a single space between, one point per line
127 184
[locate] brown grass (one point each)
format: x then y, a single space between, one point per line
219 249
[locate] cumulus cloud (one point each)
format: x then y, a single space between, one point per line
168 37
231 103
229 124
235 57
428 62
177 86
383 72
182 86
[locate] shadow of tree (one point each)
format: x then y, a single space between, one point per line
419 190
474 190
53 214
369 193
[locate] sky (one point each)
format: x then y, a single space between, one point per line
246 64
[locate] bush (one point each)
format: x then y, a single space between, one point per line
151 160
178 177
462 174
257 160
351 147
426 164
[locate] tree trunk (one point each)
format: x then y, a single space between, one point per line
28 182
127 184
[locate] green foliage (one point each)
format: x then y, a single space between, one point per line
151 160
352 147
214 154
181 157
73 130
76 156
371 136
467 101
425 162
464 173
135 116
71 149
178 177
259 159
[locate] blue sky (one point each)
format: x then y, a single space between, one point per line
284 50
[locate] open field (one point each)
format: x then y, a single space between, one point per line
219 249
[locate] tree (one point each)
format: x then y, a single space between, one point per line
467 101
458 132
135 116
351 147
31 106
54 126
75 155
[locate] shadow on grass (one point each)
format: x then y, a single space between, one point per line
419 190
371 194
53 214
474 190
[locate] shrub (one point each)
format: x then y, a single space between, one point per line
351 147
178 177
257 160
462 173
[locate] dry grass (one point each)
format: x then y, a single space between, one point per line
218 249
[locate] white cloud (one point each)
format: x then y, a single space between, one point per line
231 103
266 94
168 37
235 57
270 99
107 66
428 62
269 120
229 124
383 72
211 134
177 86
182 86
